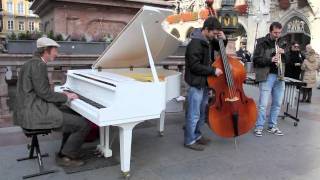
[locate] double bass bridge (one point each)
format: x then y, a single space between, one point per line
234 99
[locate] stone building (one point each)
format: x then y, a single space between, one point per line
90 19
17 18
300 18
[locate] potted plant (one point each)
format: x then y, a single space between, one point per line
174 18
189 16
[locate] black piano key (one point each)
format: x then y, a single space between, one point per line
92 103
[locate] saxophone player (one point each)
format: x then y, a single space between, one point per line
267 60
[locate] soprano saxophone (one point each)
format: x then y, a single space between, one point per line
279 64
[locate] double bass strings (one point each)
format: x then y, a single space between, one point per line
225 68
232 91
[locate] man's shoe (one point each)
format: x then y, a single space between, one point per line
195 146
203 141
74 155
275 131
308 101
68 162
257 132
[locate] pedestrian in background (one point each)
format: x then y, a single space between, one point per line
310 67
294 59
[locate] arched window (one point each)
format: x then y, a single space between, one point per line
10 7
20 8
296 29
175 33
190 30
228 2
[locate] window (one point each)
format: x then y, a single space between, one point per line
31 26
228 2
20 8
10 25
21 26
10 7
30 11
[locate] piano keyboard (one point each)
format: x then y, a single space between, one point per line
92 103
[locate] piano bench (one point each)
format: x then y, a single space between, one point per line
33 134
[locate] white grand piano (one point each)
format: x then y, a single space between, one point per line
124 88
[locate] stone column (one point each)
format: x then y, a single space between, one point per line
231 46
4 109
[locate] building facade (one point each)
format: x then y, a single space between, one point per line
300 20
94 19
17 18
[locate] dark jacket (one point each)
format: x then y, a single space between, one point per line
199 58
35 101
244 55
293 70
263 53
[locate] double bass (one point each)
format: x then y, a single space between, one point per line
231 113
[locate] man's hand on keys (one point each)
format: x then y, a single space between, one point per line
71 96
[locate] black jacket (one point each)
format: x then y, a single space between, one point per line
263 53
199 58
293 70
244 55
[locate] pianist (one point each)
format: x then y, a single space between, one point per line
38 107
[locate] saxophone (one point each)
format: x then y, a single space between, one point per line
279 64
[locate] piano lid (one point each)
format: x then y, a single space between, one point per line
129 49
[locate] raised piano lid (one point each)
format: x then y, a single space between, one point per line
129 49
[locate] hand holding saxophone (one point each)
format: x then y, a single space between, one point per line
276 57
280 51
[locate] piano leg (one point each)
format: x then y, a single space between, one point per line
125 131
103 147
161 123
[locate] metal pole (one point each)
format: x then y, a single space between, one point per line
1 17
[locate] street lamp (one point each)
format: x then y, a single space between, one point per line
257 20
228 17
1 17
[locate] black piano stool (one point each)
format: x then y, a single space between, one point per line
35 146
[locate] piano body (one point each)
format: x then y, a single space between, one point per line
124 87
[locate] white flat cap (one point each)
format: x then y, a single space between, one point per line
46 42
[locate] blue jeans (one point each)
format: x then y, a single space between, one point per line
196 113
276 88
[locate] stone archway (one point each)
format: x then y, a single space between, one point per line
296 30
242 37
175 33
100 28
294 13
189 31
